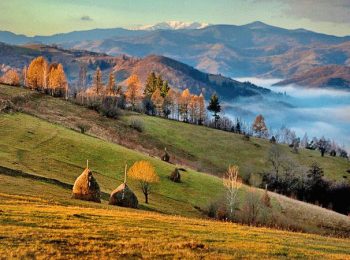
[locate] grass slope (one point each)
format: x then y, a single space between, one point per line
201 148
40 148
36 228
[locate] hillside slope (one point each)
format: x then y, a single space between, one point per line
210 150
50 230
43 152
179 75
331 77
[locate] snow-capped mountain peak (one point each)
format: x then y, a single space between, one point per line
173 25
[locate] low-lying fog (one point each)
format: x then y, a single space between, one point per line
317 112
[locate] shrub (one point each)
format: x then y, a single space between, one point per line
109 108
137 125
83 128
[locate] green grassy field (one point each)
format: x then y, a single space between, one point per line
201 148
40 218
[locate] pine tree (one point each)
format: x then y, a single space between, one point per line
164 89
215 107
151 84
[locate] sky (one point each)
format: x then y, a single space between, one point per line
46 17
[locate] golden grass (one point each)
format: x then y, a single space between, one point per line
35 228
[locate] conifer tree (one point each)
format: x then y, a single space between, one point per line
215 107
201 109
151 84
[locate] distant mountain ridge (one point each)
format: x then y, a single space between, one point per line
331 76
255 49
179 75
173 25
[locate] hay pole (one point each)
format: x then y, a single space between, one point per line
125 170
87 164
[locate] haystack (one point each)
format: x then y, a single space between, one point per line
86 187
175 175
124 197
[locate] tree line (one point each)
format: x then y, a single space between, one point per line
41 76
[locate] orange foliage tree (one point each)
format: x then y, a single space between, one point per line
259 126
202 112
158 101
133 93
145 173
37 74
10 78
57 83
98 81
184 103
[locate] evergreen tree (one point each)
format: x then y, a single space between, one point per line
214 107
151 84
164 89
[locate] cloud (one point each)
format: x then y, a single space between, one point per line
334 11
86 18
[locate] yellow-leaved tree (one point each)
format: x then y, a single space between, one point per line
57 83
10 78
37 74
184 103
158 101
144 172
133 93
232 184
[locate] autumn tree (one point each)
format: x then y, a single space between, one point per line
158 101
37 74
201 109
259 126
145 173
215 107
193 108
10 78
170 102
57 81
111 84
185 99
98 81
164 89
232 185
133 93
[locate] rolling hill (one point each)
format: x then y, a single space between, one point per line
42 152
179 75
331 77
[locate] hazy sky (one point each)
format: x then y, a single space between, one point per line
45 17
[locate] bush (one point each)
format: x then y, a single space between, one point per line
109 108
137 125
83 128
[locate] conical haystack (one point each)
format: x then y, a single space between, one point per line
124 197
86 187
175 176
165 157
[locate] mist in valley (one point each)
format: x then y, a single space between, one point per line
317 112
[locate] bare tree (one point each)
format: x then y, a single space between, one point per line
232 184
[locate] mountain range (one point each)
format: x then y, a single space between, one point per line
331 77
179 75
255 49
